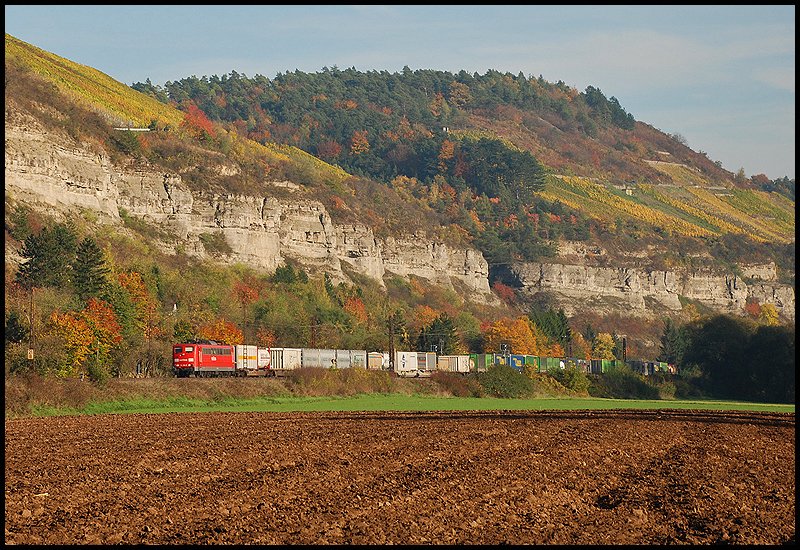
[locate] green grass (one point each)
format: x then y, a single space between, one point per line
395 402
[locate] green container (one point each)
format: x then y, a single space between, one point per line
548 363
532 363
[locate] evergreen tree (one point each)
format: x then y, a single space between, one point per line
89 270
50 256
15 332
673 343
440 333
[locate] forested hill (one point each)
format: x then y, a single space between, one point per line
396 123
516 162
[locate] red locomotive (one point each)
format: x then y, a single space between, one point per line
203 360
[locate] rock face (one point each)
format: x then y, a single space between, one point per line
263 232
55 173
646 293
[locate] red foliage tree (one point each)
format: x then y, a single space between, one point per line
196 122
329 150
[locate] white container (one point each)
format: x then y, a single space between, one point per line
264 361
358 358
378 361
246 358
285 359
453 363
405 363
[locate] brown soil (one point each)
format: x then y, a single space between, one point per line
596 477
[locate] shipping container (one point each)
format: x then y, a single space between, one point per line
246 358
532 363
264 361
453 363
599 366
358 358
480 362
378 361
517 362
283 360
582 365
549 363
405 363
639 367
426 362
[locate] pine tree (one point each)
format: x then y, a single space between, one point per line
89 270
673 343
50 256
15 332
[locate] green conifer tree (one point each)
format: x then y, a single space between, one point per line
89 270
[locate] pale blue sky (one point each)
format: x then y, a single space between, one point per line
721 76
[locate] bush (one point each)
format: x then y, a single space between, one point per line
572 378
457 385
622 383
505 381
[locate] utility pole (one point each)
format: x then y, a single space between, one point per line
30 332
391 343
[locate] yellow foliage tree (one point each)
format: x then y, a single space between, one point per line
581 349
603 346
769 315
517 333
459 94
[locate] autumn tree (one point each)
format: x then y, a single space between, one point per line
517 333
753 309
603 346
89 338
581 349
196 123
355 307
768 315
329 150
459 94
221 330
359 143
148 319
265 338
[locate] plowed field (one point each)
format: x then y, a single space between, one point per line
540 477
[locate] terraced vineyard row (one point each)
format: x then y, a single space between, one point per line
121 103
691 210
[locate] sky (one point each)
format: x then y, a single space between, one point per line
722 77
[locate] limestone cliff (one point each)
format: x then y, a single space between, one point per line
650 293
53 172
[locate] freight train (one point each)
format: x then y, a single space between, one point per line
213 359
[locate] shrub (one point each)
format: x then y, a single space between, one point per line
215 243
505 381
572 378
622 383
457 385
